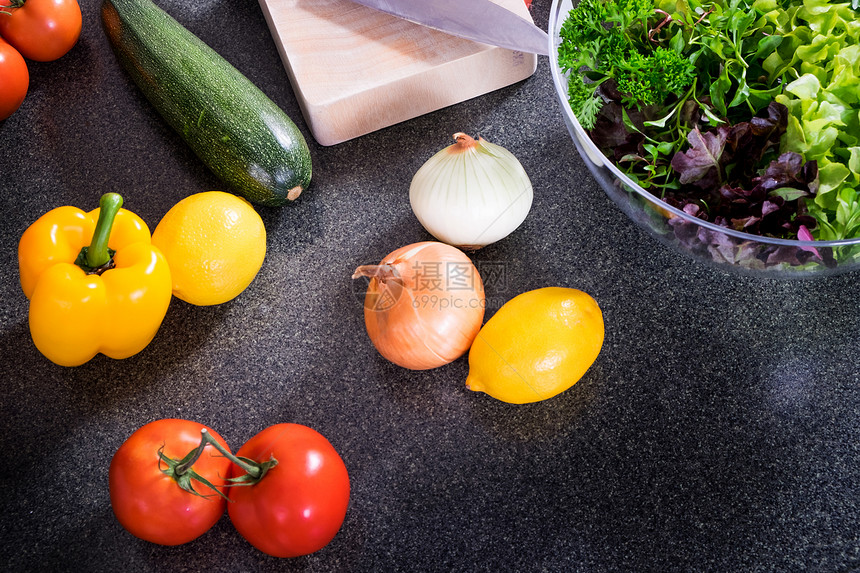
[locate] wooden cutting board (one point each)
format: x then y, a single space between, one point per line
355 70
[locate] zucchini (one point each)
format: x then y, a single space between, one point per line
232 126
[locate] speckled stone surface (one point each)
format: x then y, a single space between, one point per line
718 430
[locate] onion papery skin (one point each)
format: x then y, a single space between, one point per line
424 305
471 194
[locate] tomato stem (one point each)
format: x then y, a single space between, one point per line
11 6
254 471
182 471
185 464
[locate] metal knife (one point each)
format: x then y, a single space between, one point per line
479 20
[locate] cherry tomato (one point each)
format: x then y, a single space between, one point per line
300 503
42 30
148 501
14 80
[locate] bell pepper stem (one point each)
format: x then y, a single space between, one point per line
97 253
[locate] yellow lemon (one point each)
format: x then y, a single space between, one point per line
537 345
215 243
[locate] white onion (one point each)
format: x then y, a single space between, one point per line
471 194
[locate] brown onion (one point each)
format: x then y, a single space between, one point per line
424 305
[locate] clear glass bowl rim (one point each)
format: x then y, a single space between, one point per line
555 21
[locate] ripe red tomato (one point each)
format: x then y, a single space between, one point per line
14 80
148 502
42 30
299 504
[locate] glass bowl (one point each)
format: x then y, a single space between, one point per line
726 248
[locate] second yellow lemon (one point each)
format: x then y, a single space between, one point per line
537 345
215 243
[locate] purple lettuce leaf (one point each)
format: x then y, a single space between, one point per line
701 163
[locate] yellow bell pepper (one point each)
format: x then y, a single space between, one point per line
95 282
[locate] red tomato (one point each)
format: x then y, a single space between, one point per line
299 504
14 80
148 502
42 30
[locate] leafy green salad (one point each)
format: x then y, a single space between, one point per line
745 113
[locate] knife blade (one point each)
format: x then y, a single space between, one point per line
478 20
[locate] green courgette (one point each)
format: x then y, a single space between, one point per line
232 126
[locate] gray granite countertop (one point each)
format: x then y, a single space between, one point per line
718 430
